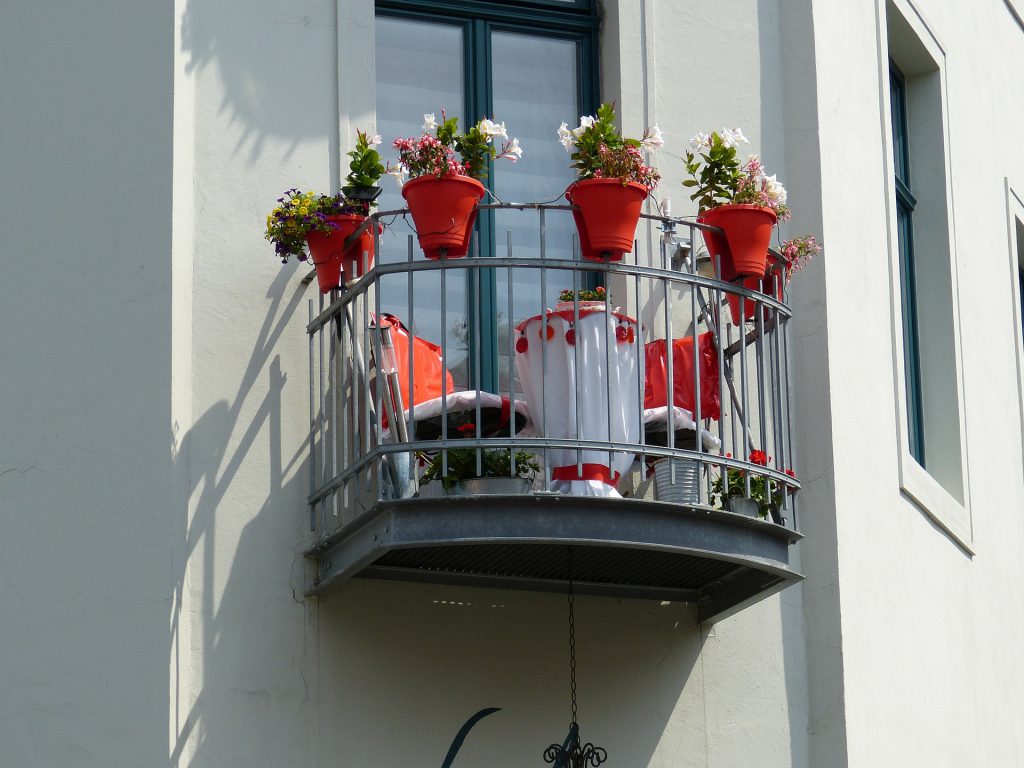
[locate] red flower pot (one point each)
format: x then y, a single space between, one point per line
749 305
744 247
443 210
329 255
606 213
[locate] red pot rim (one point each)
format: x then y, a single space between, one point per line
701 217
598 182
448 177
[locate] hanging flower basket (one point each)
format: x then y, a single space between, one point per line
443 211
329 255
606 213
743 248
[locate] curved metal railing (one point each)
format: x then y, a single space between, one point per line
583 387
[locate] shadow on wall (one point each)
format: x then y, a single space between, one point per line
239 674
257 52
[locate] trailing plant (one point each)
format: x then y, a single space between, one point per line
798 252
433 153
599 151
767 493
495 462
718 177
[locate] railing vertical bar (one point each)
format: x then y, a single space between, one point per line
698 395
410 366
333 383
312 420
789 414
744 392
345 406
511 355
382 391
322 429
367 394
477 363
444 363
544 352
609 322
641 367
759 357
577 356
670 376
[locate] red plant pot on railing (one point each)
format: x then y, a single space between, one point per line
749 305
606 213
743 248
443 211
330 257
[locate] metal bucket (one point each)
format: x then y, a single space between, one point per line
685 489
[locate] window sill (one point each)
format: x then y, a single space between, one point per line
936 502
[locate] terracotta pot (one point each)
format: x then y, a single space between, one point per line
749 305
747 233
606 213
443 211
330 256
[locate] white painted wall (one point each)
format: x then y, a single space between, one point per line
87 523
154 396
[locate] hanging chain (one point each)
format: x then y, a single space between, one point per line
572 753
572 637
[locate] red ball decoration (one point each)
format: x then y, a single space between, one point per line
630 336
521 345
570 337
620 334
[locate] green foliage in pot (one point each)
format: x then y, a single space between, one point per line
766 493
598 151
495 462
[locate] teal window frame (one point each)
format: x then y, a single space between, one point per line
577 20
905 204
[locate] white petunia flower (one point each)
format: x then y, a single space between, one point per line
514 152
429 123
774 190
585 122
491 129
733 138
654 138
699 141
375 140
399 171
565 136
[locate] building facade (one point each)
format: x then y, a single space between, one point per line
155 589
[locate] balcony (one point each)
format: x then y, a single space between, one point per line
449 366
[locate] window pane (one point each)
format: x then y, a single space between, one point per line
419 70
535 89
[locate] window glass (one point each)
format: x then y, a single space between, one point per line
419 71
535 89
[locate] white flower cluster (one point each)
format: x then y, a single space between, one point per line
773 188
653 137
730 138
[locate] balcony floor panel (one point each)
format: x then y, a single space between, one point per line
619 547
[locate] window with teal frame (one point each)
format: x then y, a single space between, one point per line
905 203
531 65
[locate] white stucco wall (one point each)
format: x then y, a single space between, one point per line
86 469
154 412
929 632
